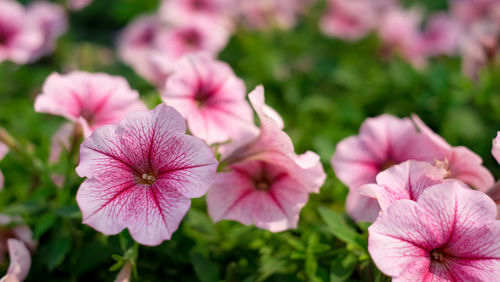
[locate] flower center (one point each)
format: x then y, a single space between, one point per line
387 164
437 255
147 178
192 38
199 5
262 185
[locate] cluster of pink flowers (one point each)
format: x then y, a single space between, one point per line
428 223
28 33
470 28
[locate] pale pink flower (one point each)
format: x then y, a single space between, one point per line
141 175
210 97
19 38
349 19
90 100
20 262
400 33
262 14
11 227
135 45
448 234
441 35
3 151
382 142
479 47
124 275
495 150
51 19
180 12
77 5
462 163
265 183
403 181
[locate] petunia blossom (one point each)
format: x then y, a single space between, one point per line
210 97
263 14
51 20
403 181
495 150
90 100
12 228
382 142
141 175
462 163
441 35
20 262
265 182
180 12
349 19
77 5
19 38
448 234
3 151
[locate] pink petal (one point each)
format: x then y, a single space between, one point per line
466 166
60 141
404 181
20 261
124 275
495 150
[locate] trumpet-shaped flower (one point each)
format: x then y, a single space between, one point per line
19 38
448 234
91 100
141 175
265 183
20 262
403 181
210 97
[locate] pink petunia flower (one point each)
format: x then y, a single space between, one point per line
210 97
265 183
263 14
462 163
51 19
19 38
11 228
349 19
3 151
441 36
382 142
20 262
448 234
180 12
141 175
403 181
90 100
495 149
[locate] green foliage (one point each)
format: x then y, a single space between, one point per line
324 88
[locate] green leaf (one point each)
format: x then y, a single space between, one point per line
205 270
71 212
58 251
44 224
342 267
340 229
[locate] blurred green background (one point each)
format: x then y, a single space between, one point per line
324 88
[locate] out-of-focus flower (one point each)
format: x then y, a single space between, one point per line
20 262
382 142
265 183
462 163
77 5
141 175
10 227
403 181
349 19
3 151
495 150
262 14
210 97
441 35
90 100
19 37
181 12
51 19
124 275
400 33
448 234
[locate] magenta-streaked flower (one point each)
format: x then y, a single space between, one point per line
462 163
19 38
382 142
20 262
141 175
90 100
3 151
349 19
448 234
210 97
403 181
77 5
265 183
52 21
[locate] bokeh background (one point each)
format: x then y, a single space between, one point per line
323 87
